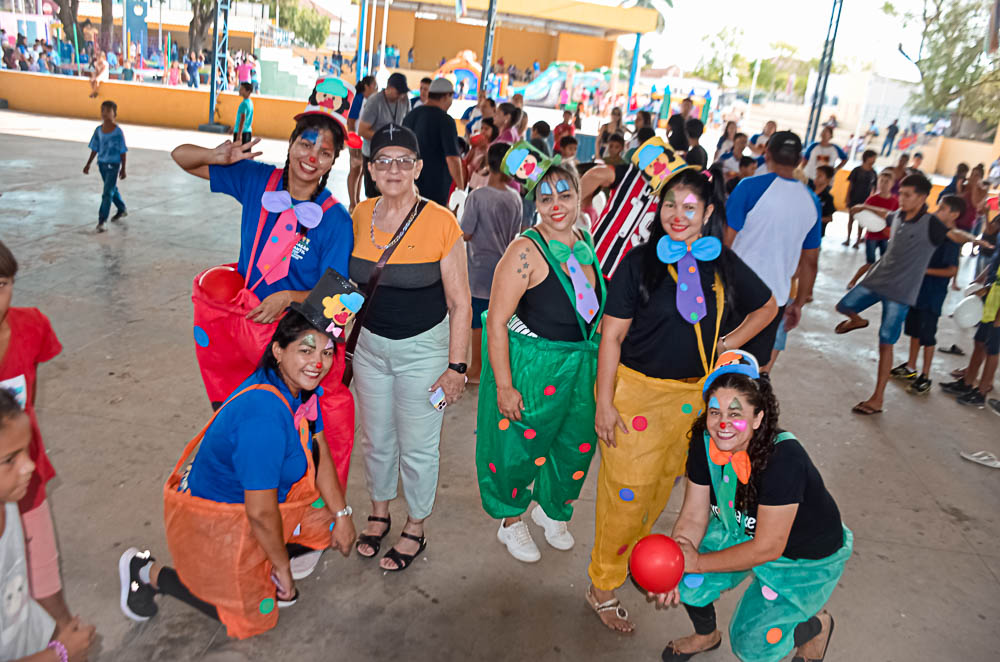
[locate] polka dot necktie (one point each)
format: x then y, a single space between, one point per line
584 296
690 296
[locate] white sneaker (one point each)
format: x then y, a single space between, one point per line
517 537
303 565
556 533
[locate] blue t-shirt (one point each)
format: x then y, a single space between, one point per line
354 112
934 289
328 245
109 146
251 445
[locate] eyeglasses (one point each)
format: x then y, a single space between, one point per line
405 163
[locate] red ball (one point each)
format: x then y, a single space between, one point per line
657 563
221 283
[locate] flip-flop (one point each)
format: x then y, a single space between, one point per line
864 410
670 654
611 605
984 458
826 647
954 349
842 329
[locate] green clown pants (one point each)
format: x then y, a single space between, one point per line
553 443
784 593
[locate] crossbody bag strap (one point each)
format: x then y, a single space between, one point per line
272 185
197 439
372 285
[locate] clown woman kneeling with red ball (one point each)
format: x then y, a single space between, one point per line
754 505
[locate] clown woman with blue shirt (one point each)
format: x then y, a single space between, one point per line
754 506
675 303
292 230
254 510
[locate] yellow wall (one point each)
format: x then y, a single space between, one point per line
955 150
154 105
636 19
839 191
591 52
432 40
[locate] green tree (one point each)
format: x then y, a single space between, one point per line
308 24
723 57
956 75
202 18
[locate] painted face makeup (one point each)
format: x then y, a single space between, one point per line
309 341
319 365
312 135
545 189
690 199
689 214
735 405
714 403
329 344
562 186
669 197
740 425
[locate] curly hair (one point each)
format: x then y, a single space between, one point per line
761 396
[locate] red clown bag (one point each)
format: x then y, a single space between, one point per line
214 549
229 347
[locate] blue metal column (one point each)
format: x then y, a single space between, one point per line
823 73
220 67
491 22
360 50
632 72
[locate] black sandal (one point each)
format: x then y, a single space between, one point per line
401 560
671 655
375 542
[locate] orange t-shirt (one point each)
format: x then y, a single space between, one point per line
410 297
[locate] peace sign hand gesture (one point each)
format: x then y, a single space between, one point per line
229 152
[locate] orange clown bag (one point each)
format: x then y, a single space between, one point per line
213 547
229 346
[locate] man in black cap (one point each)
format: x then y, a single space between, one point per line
387 107
438 139
775 226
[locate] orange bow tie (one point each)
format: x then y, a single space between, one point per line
740 461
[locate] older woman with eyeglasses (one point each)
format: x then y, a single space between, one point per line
410 356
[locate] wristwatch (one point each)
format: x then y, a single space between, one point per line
460 368
346 512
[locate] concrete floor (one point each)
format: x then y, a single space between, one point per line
119 403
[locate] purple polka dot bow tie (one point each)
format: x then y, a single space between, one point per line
690 297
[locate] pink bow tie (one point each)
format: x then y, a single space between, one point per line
308 410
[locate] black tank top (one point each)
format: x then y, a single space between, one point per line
546 310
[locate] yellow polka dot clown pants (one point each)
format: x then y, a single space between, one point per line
638 474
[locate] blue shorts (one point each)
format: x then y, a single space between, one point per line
990 336
478 307
871 245
860 298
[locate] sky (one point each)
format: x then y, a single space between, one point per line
865 34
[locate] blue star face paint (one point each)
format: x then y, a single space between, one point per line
545 189
714 403
562 186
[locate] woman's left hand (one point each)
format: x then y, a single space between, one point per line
453 385
691 555
270 309
343 536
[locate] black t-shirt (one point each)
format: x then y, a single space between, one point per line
697 156
790 477
826 202
862 184
660 343
438 139
678 137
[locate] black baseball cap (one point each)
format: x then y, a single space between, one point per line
397 81
785 148
394 135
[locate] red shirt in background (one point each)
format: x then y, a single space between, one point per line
560 131
32 341
891 203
